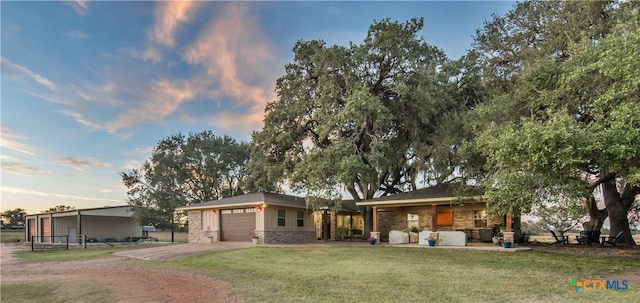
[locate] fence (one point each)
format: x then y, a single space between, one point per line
58 242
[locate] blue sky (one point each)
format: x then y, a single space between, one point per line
88 88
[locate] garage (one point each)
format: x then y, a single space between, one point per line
235 224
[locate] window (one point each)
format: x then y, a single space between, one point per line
412 221
226 212
444 218
281 217
238 211
479 218
300 218
249 210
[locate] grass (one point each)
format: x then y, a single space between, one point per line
74 254
392 274
374 274
54 292
10 236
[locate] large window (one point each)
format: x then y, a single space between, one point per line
281 217
479 218
300 218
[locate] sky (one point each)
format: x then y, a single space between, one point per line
89 87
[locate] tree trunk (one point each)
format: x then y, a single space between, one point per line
367 215
596 216
618 206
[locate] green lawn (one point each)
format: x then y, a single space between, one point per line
51 292
392 274
386 274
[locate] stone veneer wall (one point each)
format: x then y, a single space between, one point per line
196 235
396 219
273 237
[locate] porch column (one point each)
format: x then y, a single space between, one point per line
434 218
508 231
374 216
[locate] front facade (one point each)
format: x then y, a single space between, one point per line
96 224
272 218
432 209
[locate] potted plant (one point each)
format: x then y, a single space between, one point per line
432 239
372 240
252 235
507 244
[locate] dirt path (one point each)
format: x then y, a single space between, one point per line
131 282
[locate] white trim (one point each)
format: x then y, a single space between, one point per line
409 202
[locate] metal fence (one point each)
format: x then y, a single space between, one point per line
58 242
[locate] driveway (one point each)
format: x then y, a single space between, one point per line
177 251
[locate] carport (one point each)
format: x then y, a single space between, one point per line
113 223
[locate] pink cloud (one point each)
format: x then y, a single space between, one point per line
236 58
169 15
164 98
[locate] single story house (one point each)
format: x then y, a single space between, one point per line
432 209
278 218
112 223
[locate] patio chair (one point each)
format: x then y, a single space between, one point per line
612 240
564 239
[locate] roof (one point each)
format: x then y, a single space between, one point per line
83 211
251 199
433 195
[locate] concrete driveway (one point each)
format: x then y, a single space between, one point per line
177 251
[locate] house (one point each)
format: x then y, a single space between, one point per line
273 218
113 223
434 208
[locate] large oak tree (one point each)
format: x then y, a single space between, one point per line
362 119
562 120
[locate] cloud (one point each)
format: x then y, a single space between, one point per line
12 68
81 164
79 6
168 16
80 119
77 34
22 169
24 191
237 59
164 98
7 141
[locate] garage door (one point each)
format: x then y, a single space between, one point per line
235 224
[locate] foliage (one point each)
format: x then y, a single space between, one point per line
362 119
184 171
14 216
561 119
58 208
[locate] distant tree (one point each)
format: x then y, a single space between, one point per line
561 215
58 208
184 171
15 216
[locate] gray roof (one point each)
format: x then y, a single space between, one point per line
442 190
433 195
251 199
